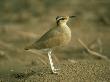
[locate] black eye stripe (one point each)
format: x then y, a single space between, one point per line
60 18
63 19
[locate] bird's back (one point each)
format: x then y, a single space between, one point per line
56 36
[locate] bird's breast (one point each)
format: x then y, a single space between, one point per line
66 35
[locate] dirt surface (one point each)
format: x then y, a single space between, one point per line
76 71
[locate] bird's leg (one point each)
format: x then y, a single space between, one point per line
51 63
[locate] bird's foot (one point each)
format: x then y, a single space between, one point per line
55 71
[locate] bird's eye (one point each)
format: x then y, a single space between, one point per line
63 18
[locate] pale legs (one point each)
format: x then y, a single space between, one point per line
51 63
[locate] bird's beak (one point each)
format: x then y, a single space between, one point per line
72 16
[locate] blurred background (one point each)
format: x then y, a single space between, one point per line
24 21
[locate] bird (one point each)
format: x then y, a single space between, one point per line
59 35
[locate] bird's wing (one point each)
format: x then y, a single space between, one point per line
49 39
49 34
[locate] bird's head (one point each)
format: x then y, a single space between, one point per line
63 19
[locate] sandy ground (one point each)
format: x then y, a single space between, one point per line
70 71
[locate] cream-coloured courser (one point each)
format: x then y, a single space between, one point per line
59 35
